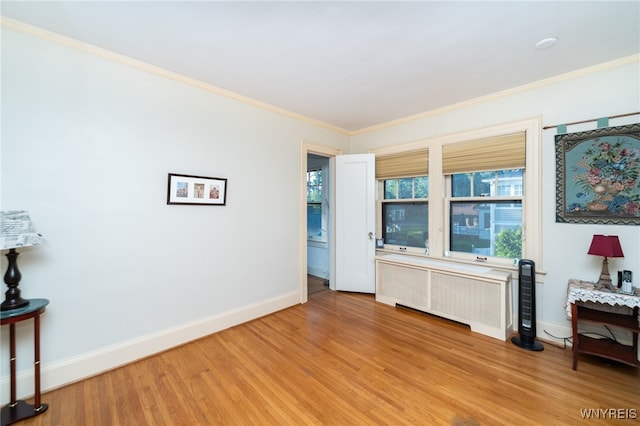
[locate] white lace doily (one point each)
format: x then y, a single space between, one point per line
585 291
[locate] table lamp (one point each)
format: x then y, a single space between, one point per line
16 230
607 246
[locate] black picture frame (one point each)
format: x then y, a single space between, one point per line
196 190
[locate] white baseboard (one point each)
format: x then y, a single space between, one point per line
549 332
561 336
553 333
92 363
557 334
318 272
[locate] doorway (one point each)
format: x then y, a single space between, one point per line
317 235
319 222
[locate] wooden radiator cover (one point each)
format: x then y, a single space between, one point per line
474 295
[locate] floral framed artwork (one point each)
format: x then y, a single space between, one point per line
597 176
198 190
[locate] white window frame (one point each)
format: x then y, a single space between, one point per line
322 241
477 199
381 200
438 213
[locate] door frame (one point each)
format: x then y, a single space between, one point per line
306 149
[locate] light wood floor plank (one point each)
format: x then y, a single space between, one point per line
343 359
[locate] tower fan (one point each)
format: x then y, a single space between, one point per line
527 307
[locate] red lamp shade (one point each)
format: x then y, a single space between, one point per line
606 245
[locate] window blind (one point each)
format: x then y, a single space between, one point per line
405 164
494 153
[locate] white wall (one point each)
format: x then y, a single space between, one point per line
608 90
87 143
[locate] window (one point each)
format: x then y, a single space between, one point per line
405 212
481 197
485 213
316 220
403 191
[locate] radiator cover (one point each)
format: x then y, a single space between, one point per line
474 295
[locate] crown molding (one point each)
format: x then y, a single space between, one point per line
116 57
505 93
104 53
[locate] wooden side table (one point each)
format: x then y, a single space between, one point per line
585 303
20 410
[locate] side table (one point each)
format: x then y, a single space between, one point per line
618 310
20 410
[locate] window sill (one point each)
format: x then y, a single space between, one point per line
318 244
497 266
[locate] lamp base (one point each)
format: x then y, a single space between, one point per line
13 303
604 282
12 299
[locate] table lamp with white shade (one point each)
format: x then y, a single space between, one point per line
16 231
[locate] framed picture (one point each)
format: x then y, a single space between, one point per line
597 176
198 190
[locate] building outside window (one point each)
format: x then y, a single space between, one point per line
486 213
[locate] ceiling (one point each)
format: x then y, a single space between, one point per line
351 65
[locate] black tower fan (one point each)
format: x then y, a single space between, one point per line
527 307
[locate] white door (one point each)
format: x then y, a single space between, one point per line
355 223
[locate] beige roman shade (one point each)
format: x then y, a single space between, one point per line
494 153
404 164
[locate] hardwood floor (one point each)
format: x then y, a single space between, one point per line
343 359
316 284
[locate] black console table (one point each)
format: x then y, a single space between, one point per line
20 410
